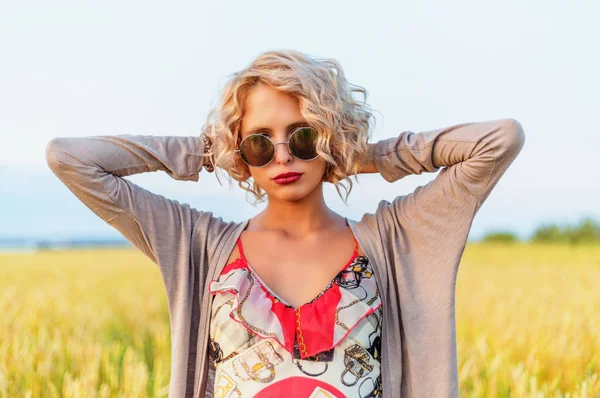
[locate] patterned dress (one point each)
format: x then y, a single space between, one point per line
328 347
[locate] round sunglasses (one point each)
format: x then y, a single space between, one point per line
257 150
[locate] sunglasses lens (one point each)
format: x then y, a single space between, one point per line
257 150
303 143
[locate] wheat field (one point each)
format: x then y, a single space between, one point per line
95 323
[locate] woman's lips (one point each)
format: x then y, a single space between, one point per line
287 180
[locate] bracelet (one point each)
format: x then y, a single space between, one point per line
207 163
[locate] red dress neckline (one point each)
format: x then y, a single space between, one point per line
318 325
271 292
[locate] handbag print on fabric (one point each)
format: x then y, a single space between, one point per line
258 363
356 359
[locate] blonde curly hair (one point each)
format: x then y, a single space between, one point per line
326 102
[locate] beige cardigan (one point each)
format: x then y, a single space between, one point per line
414 242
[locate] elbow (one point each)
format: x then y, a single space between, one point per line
512 136
52 154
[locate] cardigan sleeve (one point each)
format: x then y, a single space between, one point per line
472 157
435 219
476 154
419 238
93 167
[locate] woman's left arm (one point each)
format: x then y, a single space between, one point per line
426 230
419 238
477 154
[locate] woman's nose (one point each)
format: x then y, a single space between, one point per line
282 153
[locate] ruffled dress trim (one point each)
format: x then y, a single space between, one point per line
314 327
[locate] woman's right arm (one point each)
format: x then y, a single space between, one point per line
93 168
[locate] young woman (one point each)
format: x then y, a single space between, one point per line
300 301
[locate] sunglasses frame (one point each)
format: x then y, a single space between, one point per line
274 149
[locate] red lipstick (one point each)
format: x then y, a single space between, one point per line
287 178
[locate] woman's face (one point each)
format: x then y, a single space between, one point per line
277 115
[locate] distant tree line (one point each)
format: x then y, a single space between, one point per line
585 232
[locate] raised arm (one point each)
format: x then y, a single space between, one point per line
93 168
477 155
422 236
435 219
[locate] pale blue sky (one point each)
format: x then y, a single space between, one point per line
73 68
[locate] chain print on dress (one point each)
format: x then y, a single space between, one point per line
322 357
228 302
241 304
217 351
250 338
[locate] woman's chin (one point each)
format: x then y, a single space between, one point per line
289 192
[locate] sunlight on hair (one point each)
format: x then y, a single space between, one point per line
326 102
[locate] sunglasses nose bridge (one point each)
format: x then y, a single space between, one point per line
287 145
283 142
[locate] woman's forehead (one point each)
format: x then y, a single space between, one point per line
266 107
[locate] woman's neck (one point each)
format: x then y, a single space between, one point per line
299 218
